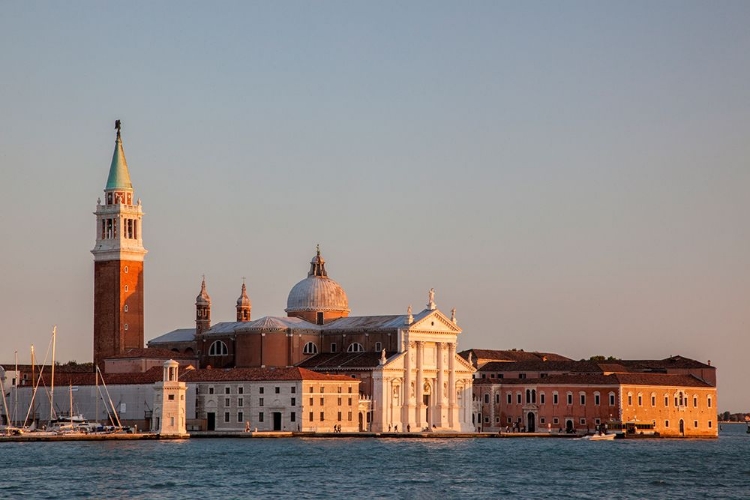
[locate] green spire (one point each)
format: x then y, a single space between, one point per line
119 178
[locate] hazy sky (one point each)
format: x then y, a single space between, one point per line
571 176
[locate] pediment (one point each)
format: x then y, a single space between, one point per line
434 321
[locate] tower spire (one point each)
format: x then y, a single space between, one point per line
119 177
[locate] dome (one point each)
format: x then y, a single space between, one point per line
317 292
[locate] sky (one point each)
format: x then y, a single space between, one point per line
572 177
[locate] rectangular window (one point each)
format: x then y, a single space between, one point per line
583 400
521 375
640 400
294 401
339 401
226 390
261 390
260 402
339 417
695 424
555 420
518 398
170 397
227 402
597 399
630 400
260 417
311 417
554 398
294 390
653 400
486 420
666 423
597 421
278 390
333 346
350 401
570 400
582 421
240 417
541 420
210 390
240 402
226 417
499 375
666 401
510 420
510 398
350 389
293 417
710 424
322 416
611 400
709 402
541 399
311 389
321 402
240 390
312 401
378 347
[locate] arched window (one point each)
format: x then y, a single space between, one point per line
218 348
528 396
597 398
486 399
310 348
355 347
611 399
497 398
709 401
695 401
541 398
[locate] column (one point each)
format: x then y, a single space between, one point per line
406 400
452 410
420 382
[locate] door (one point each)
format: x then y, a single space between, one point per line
211 421
531 425
682 427
569 426
277 420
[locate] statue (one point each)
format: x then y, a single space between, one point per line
408 310
453 314
382 356
432 295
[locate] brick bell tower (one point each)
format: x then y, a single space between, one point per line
118 264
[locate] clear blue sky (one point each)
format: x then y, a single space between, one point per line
571 176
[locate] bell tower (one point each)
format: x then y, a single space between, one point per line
118 264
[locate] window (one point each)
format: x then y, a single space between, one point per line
240 416
355 347
218 348
261 390
666 400
521 375
294 390
541 398
310 348
666 423
333 346
227 390
350 389
170 397
583 399
640 399
518 398
710 424
339 403
126 308
310 417
294 402
321 402
126 326
497 399
226 402
709 401
582 421
510 398
210 390
378 346
569 398
554 398
611 399
226 417
293 417
319 318
260 417
653 400
240 402
277 390
510 420
695 424
126 288
339 416
311 389
695 401
630 399
486 420
597 399
486 399
240 390
260 402
312 401
555 420
597 421
349 416
350 401
541 420
322 416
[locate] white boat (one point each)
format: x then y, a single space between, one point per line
600 437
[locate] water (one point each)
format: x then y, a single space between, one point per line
381 468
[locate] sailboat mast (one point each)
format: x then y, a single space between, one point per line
52 390
15 396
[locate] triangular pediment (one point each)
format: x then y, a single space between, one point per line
434 321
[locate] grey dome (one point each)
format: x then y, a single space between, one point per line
317 292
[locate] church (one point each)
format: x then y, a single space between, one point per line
407 365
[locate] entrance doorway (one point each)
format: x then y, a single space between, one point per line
682 427
426 401
531 425
569 426
277 420
361 423
211 417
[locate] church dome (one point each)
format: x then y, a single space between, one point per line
317 292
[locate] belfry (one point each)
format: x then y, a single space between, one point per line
118 264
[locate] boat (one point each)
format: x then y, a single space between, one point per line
600 437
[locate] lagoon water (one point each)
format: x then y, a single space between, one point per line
381 468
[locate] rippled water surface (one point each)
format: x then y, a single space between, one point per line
381 468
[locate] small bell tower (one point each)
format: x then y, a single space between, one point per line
243 305
202 310
169 403
118 263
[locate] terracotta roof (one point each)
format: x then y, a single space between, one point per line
660 379
344 361
63 379
541 366
512 355
151 353
647 379
674 362
257 374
